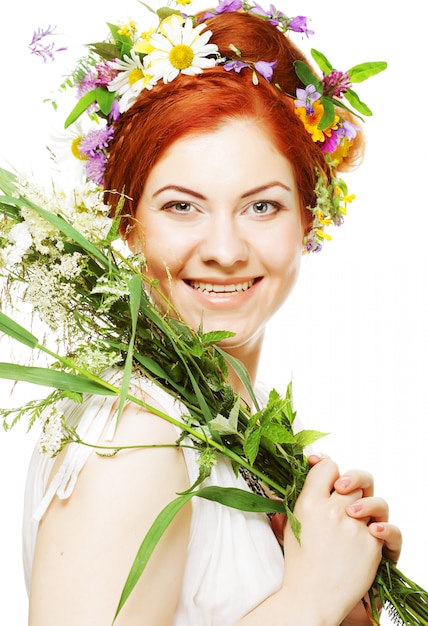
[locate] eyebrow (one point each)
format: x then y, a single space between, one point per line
195 194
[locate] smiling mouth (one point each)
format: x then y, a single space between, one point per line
217 288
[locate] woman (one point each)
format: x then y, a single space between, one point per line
213 175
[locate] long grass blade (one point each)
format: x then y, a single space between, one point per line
54 378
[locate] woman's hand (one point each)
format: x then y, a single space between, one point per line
340 541
374 512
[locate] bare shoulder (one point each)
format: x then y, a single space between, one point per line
86 544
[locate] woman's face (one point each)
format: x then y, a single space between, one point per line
219 223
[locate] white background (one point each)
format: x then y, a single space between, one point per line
353 336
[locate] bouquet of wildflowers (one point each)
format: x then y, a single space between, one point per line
62 254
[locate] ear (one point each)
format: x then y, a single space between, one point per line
134 237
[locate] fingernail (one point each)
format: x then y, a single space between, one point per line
343 482
379 528
318 455
354 508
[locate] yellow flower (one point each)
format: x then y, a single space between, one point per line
183 2
75 149
143 45
341 152
323 235
323 219
311 120
129 29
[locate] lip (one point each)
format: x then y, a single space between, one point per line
219 293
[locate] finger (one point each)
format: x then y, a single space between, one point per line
391 535
321 477
278 522
355 479
375 509
316 457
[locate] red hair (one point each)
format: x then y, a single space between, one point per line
202 103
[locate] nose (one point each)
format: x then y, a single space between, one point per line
224 242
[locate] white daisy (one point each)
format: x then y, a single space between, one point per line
66 153
178 47
130 81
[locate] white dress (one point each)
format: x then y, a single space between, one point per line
233 558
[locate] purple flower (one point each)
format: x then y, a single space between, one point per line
105 74
349 130
312 247
299 25
87 83
274 16
330 144
265 68
235 65
225 6
336 83
95 167
44 51
306 97
95 141
115 111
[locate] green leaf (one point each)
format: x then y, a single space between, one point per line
306 75
227 425
101 95
354 100
241 500
85 101
199 395
277 433
135 289
16 331
361 72
322 62
149 8
228 496
294 523
119 37
328 116
10 211
243 375
215 336
252 444
148 545
105 99
53 378
165 12
308 437
7 182
151 366
105 50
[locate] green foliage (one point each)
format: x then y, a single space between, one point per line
190 365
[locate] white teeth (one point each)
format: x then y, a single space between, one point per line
208 287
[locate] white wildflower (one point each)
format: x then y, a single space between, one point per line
112 288
20 242
131 80
53 434
70 266
179 47
95 359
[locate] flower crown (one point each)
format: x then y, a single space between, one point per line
111 78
